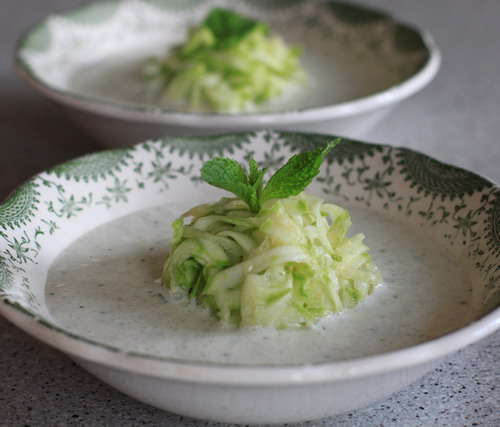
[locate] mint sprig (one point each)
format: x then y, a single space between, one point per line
289 180
229 27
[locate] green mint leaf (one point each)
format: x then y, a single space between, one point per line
221 170
256 177
259 185
289 180
246 193
296 174
228 27
229 175
254 171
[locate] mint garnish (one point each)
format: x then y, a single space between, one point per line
229 28
289 180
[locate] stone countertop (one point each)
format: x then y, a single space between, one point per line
456 119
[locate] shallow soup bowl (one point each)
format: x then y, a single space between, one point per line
432 229
361 63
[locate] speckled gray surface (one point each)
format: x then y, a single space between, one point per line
455 119
40 386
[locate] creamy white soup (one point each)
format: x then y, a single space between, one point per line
105 286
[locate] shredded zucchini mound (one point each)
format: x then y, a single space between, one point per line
227 64
288 265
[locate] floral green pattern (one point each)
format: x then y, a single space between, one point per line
492 223
93 166
205 147
460 209
5 276
348 151
438 179
20 207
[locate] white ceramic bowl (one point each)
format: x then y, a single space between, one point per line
361 64
453 208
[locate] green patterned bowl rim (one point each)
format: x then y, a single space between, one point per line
424 183
418 38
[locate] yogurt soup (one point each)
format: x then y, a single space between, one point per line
105 286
